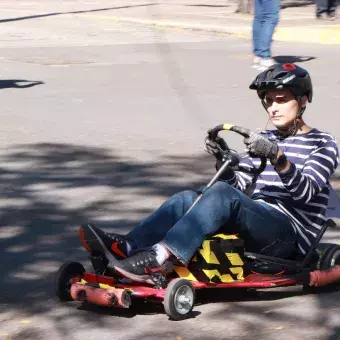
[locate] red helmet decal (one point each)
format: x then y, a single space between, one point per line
289 67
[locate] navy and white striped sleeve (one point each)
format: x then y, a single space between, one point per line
310 180
242 179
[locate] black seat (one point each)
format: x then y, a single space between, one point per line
262 267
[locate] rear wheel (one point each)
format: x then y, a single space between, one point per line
329 258
63 279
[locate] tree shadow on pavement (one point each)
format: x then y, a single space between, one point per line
205 296
292 59
138 307
29 333
74 12
247 320
18 83
47 190
335 335
207 5
298 3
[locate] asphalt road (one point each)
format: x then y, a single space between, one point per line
101 121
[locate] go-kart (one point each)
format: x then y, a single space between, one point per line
221 262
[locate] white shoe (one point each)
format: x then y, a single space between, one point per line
265 63
256 61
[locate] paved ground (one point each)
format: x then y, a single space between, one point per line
102 120
297 17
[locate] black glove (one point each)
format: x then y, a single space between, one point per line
260 146
214 147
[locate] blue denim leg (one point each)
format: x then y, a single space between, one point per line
153 229
332 6
270 15
226 209
257 27
266 17
322 6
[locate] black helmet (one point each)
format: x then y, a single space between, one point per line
284 76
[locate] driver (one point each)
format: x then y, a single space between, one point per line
282 216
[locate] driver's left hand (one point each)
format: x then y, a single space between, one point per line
261 146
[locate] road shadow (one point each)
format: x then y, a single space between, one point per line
128 313
292 59
74 12
205 296
301 3
335 334
138 307
47 190
29 333
18 83
207 5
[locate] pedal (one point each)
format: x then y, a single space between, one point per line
158 276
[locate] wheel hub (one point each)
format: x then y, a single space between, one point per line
183 300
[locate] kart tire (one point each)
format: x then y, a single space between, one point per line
63 279
179 299
330 258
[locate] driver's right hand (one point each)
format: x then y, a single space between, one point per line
214 147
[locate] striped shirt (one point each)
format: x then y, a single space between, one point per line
302 192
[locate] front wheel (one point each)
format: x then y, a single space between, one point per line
179 299
63 279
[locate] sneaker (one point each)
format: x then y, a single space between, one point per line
332 15
139 266
265 63
321 16
256 61
96 241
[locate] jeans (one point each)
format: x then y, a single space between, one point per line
325 6
221 209
266 17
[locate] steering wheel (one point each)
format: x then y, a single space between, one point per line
229 154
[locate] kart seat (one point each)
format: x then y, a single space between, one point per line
262 267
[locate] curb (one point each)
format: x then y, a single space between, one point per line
320 34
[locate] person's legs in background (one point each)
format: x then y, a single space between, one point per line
270 12
321 8
332 9
257 28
